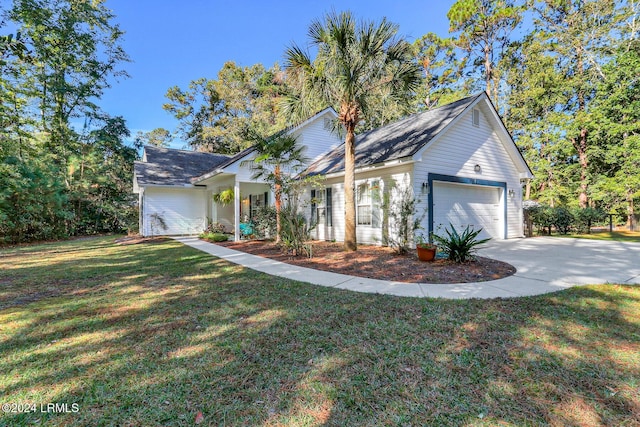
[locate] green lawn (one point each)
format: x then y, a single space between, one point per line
622 236
152 334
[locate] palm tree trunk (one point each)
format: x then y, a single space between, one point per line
278 206
278 202
350 241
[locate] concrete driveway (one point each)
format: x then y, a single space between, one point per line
544 264
547 264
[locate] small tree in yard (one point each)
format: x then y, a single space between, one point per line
279 156
404 219
295 227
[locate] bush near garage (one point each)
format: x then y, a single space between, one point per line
564 220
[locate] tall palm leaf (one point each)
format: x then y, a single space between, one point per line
355 66
278 156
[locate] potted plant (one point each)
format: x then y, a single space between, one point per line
426 251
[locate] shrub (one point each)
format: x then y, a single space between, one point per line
214 237
404 220
264 222
214 227
541 216
295 232
544 217
562 219
585 217
459 247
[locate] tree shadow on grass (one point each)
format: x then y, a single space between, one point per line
156 343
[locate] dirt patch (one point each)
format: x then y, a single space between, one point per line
378 262
134 240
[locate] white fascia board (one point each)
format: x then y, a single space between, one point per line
175 187
376 166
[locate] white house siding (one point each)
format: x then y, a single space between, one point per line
220 213
183 210
392 179
459 149
317 137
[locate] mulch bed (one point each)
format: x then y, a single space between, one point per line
378 262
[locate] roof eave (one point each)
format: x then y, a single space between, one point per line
367 168
181 186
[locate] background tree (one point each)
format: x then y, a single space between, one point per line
277 158
577 35
440 67
76 49
356 65
158 137
60 179
535 90
617 113
215 115
483 30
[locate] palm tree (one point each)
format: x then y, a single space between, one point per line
356 66
277 157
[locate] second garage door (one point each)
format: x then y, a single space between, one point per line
462 205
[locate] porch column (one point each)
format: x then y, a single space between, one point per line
236 210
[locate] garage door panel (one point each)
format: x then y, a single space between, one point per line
467 205
184 212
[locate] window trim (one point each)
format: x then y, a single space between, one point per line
475 117
374 206
322 206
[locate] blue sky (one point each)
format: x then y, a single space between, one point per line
174 42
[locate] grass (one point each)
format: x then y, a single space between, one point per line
622 236
153 334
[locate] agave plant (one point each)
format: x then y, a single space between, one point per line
460 247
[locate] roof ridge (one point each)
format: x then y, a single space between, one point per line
185 151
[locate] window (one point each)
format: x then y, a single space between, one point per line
256 201
368 204
476 117
321 207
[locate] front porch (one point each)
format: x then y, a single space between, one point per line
248 197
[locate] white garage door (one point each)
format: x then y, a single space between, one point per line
183 211
463 205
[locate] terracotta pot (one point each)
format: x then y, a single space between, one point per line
426 254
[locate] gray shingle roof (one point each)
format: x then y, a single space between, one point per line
229 161
165 166
394 141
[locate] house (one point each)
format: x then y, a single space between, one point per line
458 160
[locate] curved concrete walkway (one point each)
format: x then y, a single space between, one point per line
544 264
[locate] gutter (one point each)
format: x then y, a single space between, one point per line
177 186
376 166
